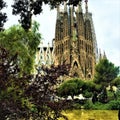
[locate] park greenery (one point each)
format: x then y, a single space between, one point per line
103 92
24 95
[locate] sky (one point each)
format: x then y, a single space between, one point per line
106 19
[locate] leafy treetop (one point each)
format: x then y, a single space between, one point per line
3 16
27 8
105 72
17 41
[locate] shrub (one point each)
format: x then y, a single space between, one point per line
100 106
88 104
76 106
87 94
114 105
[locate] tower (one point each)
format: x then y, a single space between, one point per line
75 41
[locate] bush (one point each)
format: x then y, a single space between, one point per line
87 94
88 104
76 106
100 106
111 95
114 105
118 93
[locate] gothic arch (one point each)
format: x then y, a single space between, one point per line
75 64
76 75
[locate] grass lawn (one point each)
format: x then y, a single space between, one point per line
91 114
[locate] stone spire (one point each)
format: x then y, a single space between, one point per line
80 7
104 55
100 54
86 8
65 7
72 22
58 12
71 19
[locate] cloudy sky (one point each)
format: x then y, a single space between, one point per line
106 18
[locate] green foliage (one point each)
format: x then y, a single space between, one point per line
27 8
114 105
100 106
98 87
76 86
67 89
103 97
89 85
88 105
105 72
113 95
12 86
87 94
116 81
70 87
118 93
17 41
76 106
88 88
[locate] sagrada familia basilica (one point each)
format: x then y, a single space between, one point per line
74 42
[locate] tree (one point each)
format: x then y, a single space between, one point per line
88 89
70 87
3 16
116 81
17 40
106 72
13 102
27 8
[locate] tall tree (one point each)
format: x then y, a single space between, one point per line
13 102
3 16
105 72
27 8
17 40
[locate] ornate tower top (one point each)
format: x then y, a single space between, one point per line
58 12
80 7
86 8
104 55
65 7
86 5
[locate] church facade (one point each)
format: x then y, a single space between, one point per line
75 41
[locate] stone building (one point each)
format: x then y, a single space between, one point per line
75 41
44 55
